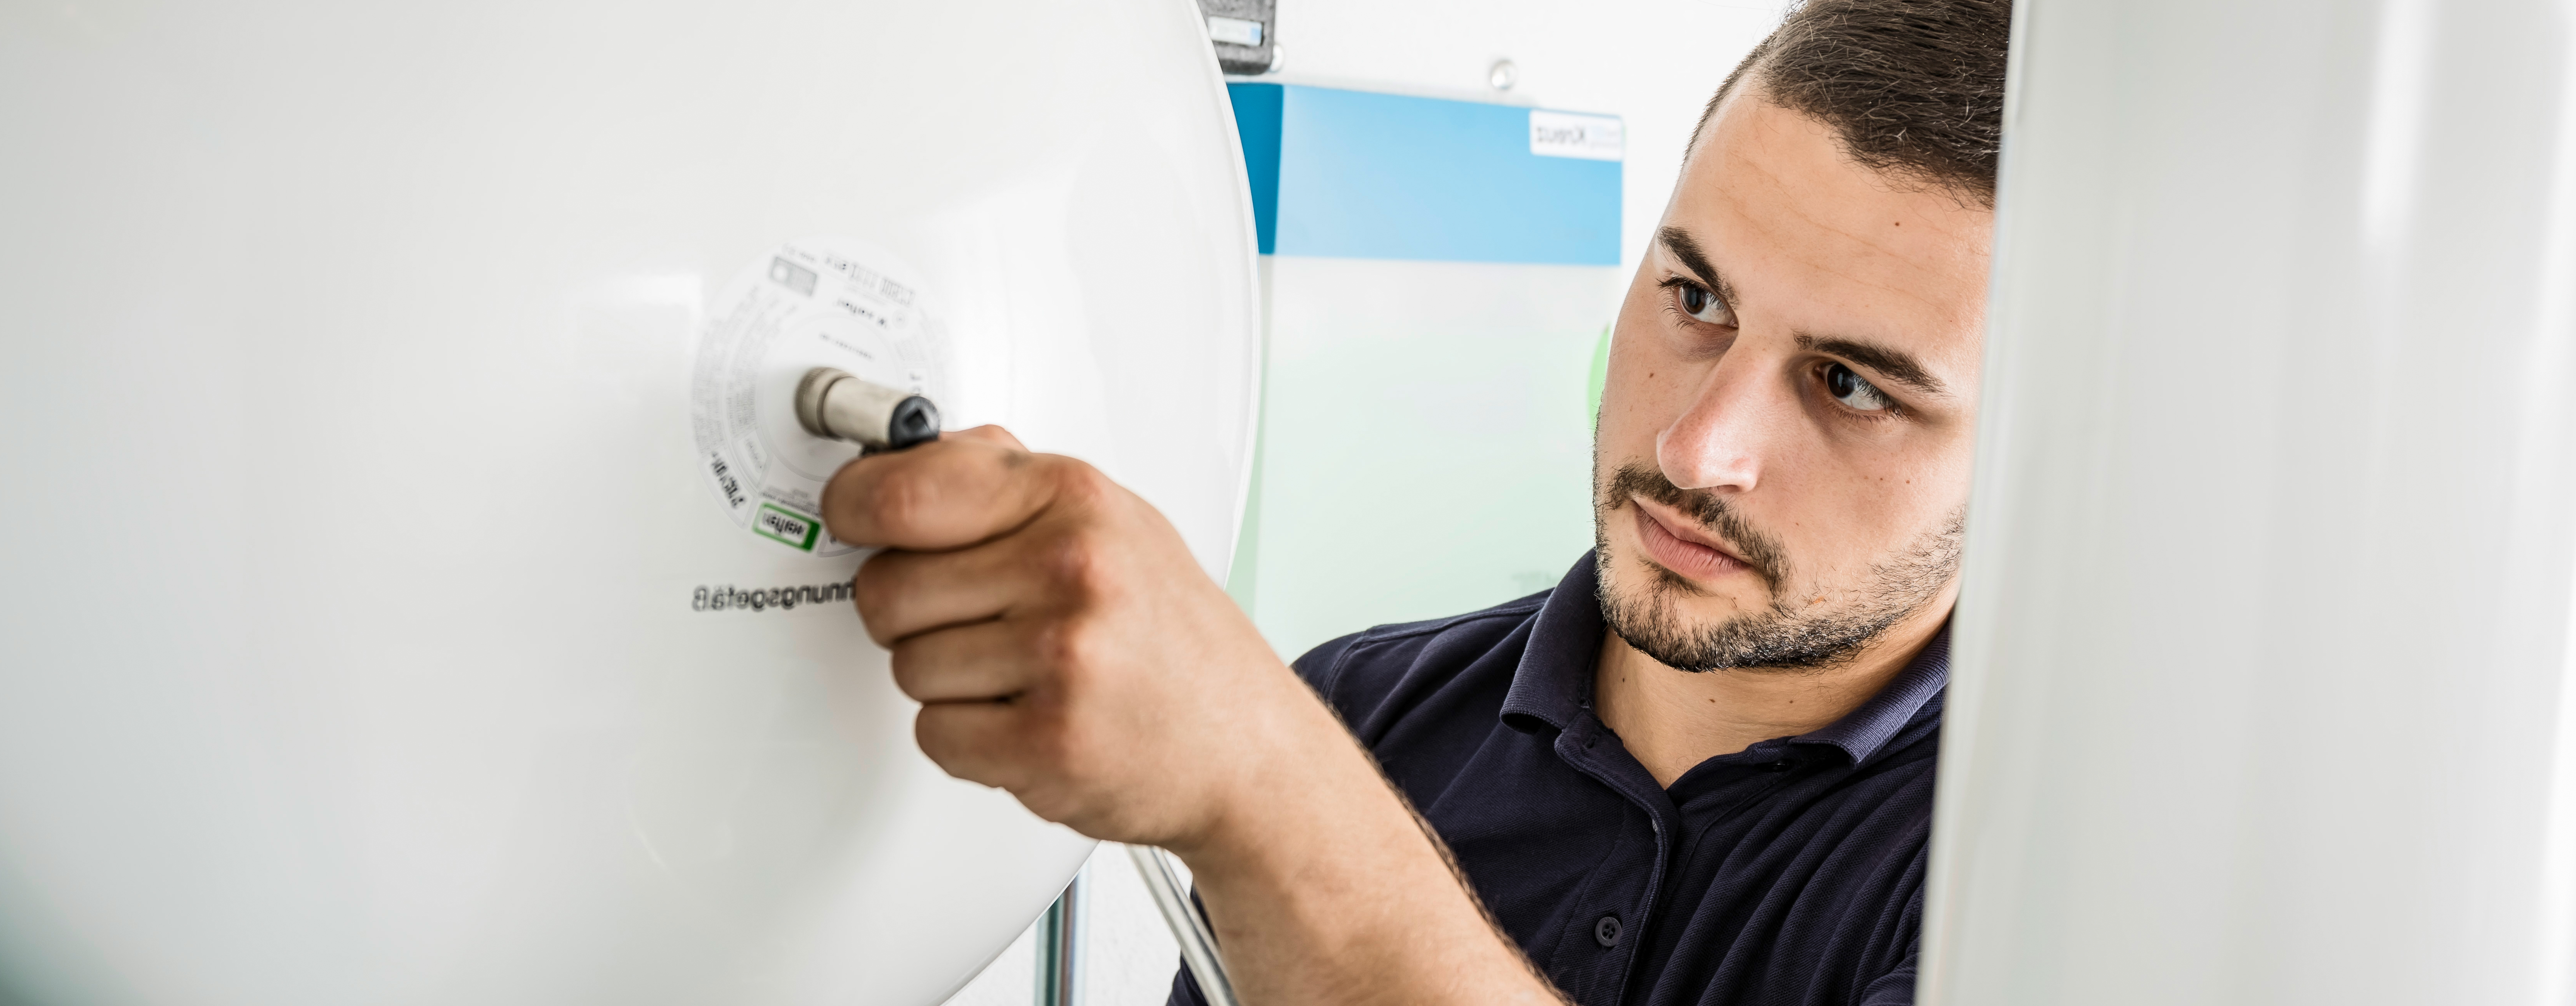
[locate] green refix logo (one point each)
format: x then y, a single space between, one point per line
787 525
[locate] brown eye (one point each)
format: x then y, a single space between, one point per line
1848 388
1703 306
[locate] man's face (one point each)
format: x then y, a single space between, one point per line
1783 457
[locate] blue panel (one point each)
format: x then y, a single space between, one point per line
1364 175
1256 120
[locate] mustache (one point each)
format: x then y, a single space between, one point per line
1758 549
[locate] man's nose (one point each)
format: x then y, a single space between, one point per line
1719 441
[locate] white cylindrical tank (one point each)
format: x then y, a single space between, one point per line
414 592
2263 691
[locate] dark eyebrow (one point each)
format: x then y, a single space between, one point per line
1683 247
1898 365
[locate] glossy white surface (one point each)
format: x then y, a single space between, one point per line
353 515
2263 692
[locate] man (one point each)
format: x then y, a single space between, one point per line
1699 770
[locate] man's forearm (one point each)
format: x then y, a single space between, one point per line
1330 890
1066 646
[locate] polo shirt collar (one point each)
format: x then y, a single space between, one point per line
1552 686
1866 730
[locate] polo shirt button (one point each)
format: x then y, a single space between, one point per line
1606 931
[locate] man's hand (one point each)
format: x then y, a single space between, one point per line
1063 642
1067 648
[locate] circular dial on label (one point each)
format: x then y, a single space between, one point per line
817 302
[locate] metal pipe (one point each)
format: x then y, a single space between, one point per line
1189 928
1059 977
834 404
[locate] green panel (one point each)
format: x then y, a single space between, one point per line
1425 447
1600 378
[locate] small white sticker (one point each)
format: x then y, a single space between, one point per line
1566 134
1235 31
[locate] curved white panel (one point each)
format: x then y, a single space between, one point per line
2263 691
357 521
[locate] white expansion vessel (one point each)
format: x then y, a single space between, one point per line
414 588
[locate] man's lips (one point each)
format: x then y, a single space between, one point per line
1682 548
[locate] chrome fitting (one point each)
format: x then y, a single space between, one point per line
835 405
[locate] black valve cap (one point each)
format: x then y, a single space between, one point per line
914 421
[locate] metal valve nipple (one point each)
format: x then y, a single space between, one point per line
834 405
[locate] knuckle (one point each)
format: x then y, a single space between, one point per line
1078 482
936 742
1067 647
954 747
909 670
1073 559
896 501
871 588
876 591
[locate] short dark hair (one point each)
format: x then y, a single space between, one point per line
1913 88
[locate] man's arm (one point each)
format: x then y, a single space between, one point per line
1067 648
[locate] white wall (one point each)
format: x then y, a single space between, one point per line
1652 62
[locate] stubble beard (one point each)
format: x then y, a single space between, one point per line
1782 636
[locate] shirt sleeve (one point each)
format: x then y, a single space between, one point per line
1185 990
1321 665
1896 988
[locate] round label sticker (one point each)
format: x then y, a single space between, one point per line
820 302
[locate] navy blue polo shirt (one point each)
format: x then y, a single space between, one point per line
1787 873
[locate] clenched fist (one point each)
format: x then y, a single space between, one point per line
1065 647
1065 644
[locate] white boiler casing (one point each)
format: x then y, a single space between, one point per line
413 590
2263 688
